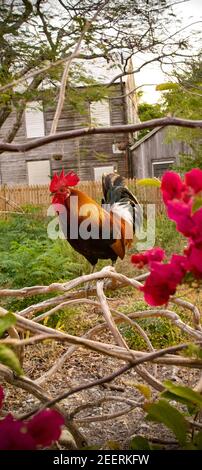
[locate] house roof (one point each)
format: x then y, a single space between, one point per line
146 137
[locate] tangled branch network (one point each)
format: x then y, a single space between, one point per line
131 360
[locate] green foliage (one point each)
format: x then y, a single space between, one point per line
149 182
157 329
173 418
145 390
194 350
182 394
194 160
29 257
146 112
166 86
34 35
6 321
167 237
163 412
140 443
9 359
184 100
197 203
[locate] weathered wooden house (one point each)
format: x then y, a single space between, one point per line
89 156
155 153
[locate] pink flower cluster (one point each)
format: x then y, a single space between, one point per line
183 201
40 431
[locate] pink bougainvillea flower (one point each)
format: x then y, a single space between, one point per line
193 179
1 396
179 264
141 259
194 260
197 233
180 212
172 186
179 198
41 430
14 435
163 280
45 427
187 223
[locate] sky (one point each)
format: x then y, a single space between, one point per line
189 12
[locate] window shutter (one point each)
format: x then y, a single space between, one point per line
38 172
100 113
100 170
34 120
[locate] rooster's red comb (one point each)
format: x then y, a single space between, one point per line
62 181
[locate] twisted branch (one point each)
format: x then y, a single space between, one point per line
127 128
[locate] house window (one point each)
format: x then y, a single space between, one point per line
100 113
158 168
38 172
100 170
34 120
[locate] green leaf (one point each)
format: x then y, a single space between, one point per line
192 409
167 86
139 443
197 441
156 447
193 350
190 446
112 445
144 389
197 203
189 395
9 359
168 415
6 321
149 182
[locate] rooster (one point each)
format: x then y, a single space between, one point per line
96 231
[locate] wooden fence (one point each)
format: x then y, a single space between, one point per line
15 198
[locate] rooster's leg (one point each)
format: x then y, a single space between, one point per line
93 268
89 284
113 281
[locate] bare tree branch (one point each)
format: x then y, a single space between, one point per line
162 122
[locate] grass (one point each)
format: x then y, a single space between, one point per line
29 257
167 236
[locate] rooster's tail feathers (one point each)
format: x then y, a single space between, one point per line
121 200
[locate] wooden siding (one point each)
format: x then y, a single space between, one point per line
80 155
13 168
152 149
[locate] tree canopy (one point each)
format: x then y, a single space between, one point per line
38 37
183 98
